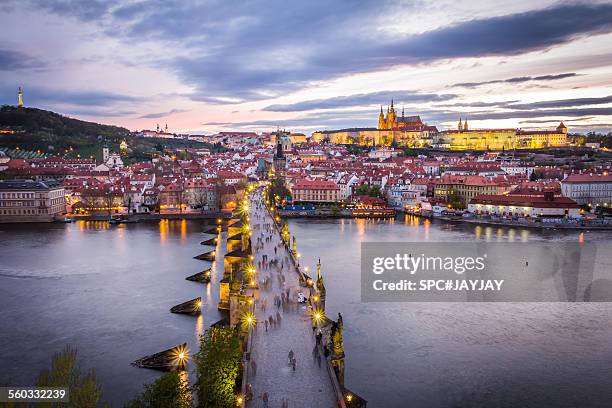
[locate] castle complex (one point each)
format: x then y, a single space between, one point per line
411 131
392 129
499 139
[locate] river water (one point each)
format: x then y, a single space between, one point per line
108 291
460 354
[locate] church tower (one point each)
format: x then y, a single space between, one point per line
465 126
391 118
381 119
20 98
460 126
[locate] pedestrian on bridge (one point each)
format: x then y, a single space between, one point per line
290 356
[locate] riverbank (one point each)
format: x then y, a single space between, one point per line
343 213
128 218
583 225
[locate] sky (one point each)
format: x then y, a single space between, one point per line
207 66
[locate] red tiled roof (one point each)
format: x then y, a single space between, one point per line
525 201
315 184
588 178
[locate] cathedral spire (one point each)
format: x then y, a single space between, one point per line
460 127
465 125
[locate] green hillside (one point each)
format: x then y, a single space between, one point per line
50 133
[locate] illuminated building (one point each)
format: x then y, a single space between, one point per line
546 204
31 201
589 189
401 130
464 138
464 187
320 191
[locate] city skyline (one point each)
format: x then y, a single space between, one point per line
204 67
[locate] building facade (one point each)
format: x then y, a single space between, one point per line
546 205
465 188
464 138
317 191
31 201
392 129
588 189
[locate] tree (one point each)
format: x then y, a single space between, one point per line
363 189
168 391
218 366
278 188
85 392
375 192
454 200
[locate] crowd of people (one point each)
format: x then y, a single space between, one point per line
273 263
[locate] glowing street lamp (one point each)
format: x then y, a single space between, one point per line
181 356
239 400
248 320
317 316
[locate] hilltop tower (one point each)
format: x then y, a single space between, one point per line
460 126
20 98
465 125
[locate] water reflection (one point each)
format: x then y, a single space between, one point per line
103 288
199 326
450 354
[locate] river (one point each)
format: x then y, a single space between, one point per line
108 290
429 355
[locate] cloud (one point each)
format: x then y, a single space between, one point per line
516 80
162 114
564 103
374 98
252 52
339 50
516 114
496 104
15 60
95 113
581 119
83 10
42 96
